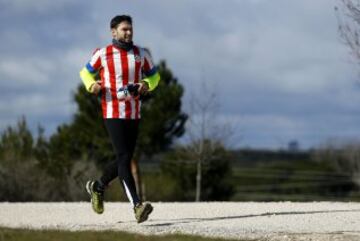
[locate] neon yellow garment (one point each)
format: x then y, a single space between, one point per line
152 80
87 78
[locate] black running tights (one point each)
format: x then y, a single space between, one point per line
123 135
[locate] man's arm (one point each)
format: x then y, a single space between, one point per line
153 80
149 69
88 73
89 81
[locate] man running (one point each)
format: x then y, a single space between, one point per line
121 66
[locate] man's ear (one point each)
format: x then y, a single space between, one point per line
113 32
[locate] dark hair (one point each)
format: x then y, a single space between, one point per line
118 19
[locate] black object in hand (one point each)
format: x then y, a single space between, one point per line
133 89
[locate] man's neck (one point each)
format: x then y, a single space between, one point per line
123 45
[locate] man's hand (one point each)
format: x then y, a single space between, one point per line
143 88
96 87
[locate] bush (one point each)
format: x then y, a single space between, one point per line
216 184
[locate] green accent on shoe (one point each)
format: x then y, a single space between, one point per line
142 212
97 198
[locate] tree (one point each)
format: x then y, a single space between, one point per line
21 177
178 165
205 131
343 157
348 14
163 121
163 118
86 138
16 151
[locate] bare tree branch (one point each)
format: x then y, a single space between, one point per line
348 16
205 131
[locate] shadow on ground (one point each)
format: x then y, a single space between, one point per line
170 222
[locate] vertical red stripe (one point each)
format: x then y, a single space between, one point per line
146 65
137 64
97 64
110 63
125 79
103 94
137 77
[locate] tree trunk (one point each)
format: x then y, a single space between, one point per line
198 181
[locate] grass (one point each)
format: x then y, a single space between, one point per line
7 234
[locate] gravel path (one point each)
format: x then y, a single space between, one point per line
283 221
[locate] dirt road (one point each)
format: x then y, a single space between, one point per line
283 221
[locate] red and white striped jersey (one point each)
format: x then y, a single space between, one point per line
118 68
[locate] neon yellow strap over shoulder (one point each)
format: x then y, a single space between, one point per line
153 80
87 78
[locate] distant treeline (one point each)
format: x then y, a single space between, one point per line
55 168
34 169
326 173
245 157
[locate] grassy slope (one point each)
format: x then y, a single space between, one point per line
7 234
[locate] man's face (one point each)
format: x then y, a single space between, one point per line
123 32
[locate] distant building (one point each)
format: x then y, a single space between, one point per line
293 146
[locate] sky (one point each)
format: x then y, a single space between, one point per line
279 68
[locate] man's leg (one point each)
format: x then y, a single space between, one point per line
123 134
109 174
111 170
96 188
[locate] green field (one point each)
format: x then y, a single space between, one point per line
7 234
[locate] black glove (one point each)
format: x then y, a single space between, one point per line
133 89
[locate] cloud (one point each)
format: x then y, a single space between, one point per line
38 6
33 104
40 87
278 66
25 73
274 130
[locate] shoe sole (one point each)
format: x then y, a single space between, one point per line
87 186
88 190
145 215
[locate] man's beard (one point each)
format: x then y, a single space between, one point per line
122 44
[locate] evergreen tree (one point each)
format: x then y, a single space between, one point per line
20 175
85 137
162 117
